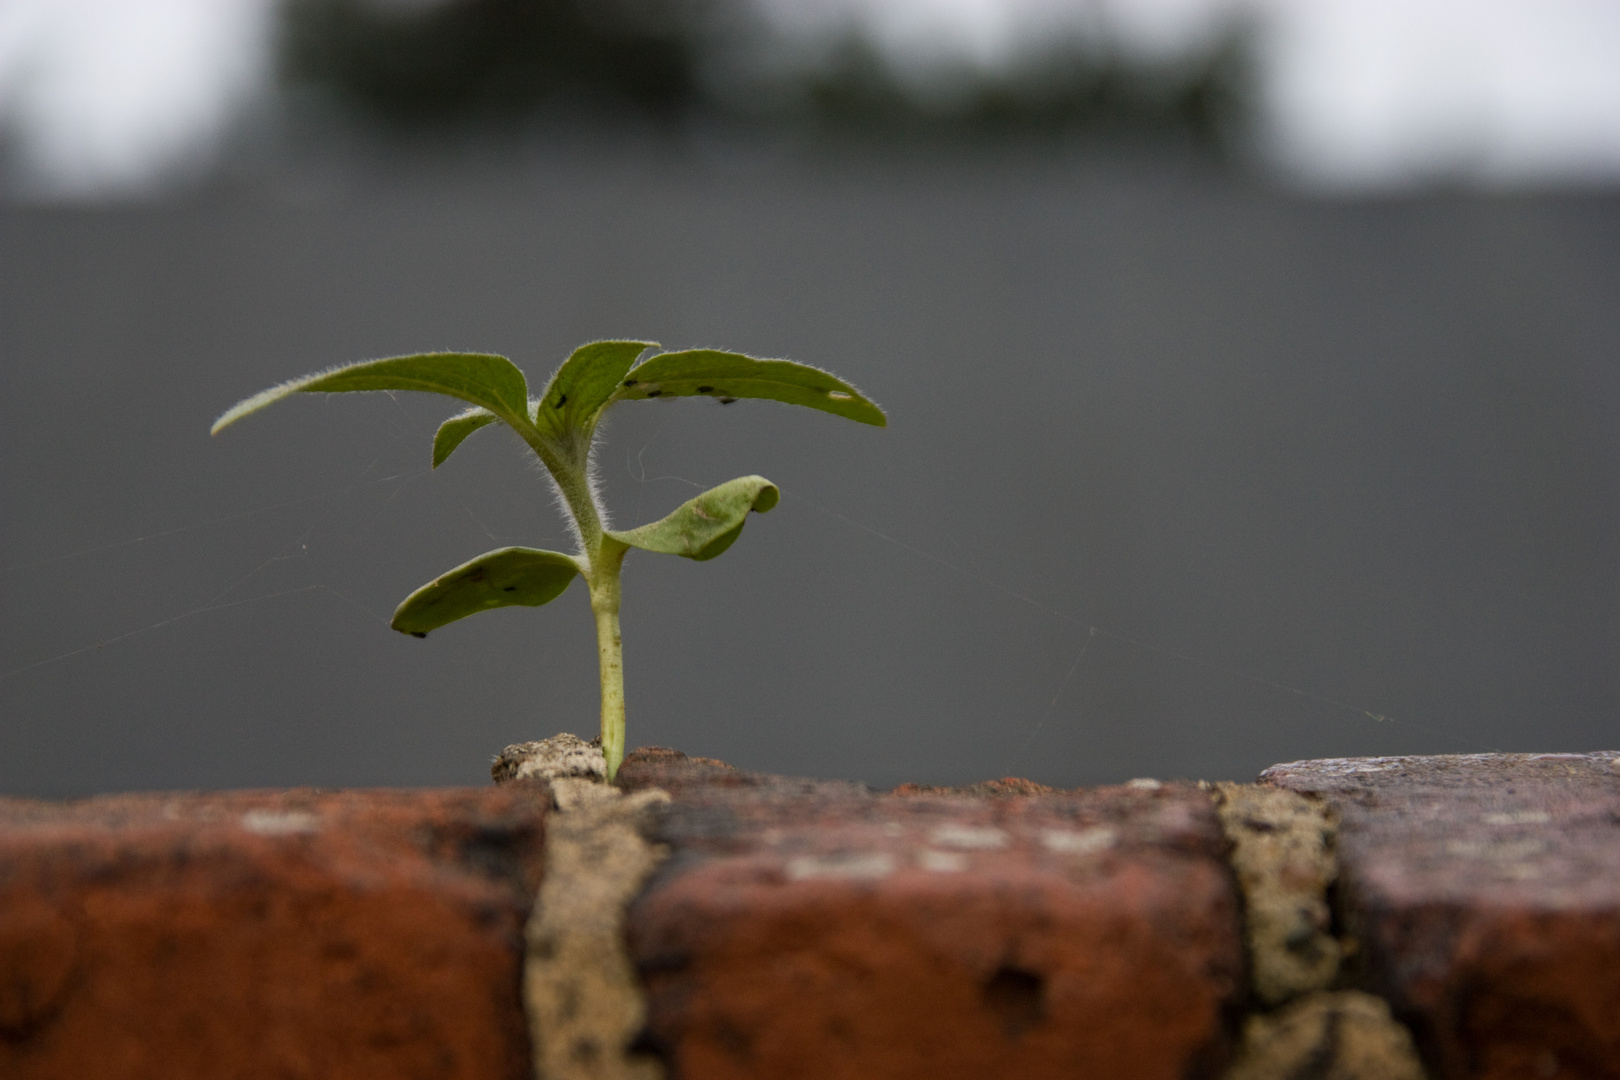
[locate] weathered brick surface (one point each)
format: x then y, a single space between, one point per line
287 934
660 767
804 929
1484 891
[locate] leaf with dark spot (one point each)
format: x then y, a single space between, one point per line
500 578
584 386
699 371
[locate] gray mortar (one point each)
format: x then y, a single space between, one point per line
1347 1035
1282 853
561 755
583 1000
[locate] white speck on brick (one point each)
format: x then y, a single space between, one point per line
1348 766
1079 842
942 862
1496 850
867 866
280 822
1518 817
1144 783
966 836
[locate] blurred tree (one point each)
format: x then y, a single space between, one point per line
490 59
1076 86
458 61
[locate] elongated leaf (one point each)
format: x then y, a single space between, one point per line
583 386
477 378
728 375
458 427
703 527
499 578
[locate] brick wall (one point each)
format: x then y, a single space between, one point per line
1370 918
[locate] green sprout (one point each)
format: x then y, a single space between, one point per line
560 426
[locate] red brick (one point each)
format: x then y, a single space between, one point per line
1485 893
804 929
267 934
991 789
661 767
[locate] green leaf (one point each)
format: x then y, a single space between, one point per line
728 376
703 527
583 386
478 378
457 428
499 578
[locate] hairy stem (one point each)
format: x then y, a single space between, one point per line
610 652
606 563
604 557
581 503
571 472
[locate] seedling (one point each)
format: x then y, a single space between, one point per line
560 426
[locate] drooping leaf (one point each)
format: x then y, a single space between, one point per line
583 386
477 378
728 376
506 576
703 527
457 428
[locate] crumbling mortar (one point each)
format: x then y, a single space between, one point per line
1306 1019
1283 856
584 1001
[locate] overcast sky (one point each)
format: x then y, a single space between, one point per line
107 95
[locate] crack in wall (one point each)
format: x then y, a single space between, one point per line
1284 858
584 1001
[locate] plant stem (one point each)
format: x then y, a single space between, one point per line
603 557
604 581
610 651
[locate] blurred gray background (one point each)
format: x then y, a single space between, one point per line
1198 459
